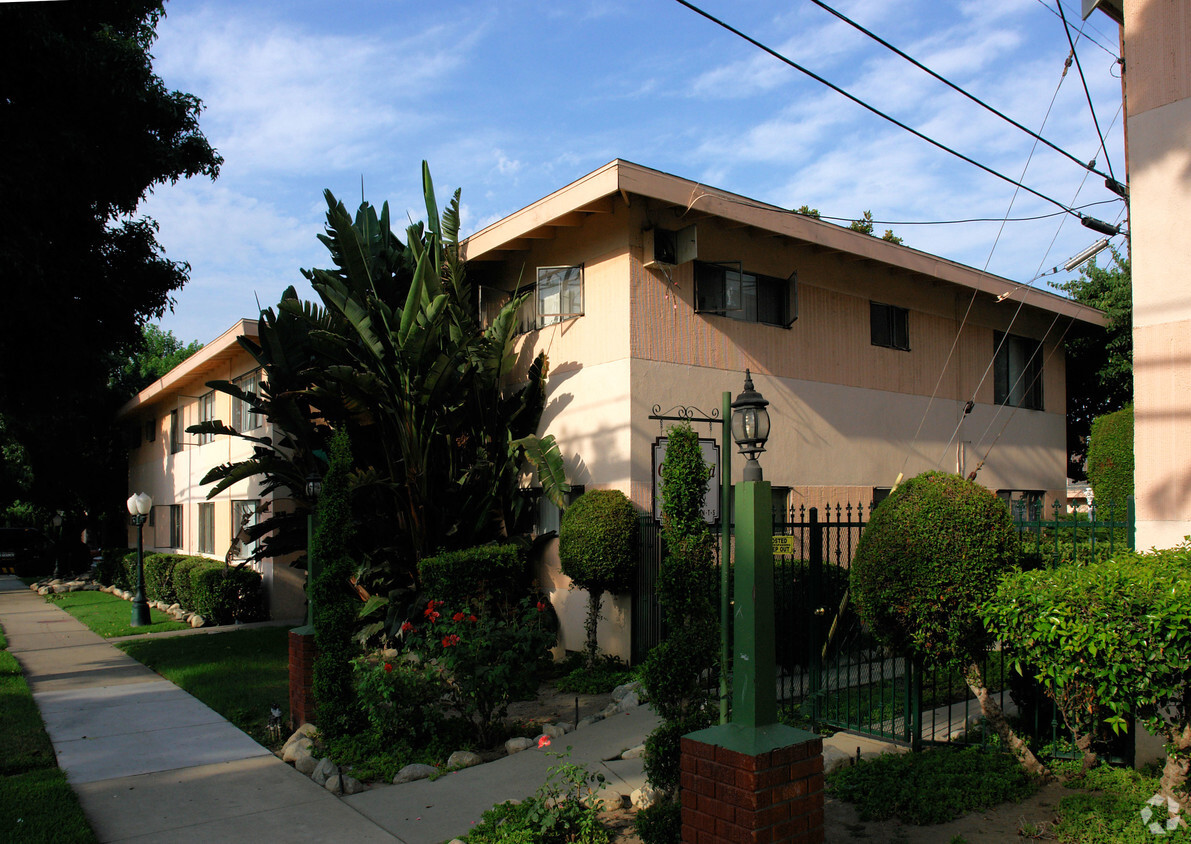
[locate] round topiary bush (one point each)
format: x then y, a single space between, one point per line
597 546
929 558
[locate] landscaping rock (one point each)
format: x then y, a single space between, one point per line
197 620
334 784
516 745
414 772
629 701
293 749
833 759
554 731
463 759
619 693
91 587
351 785
174 609
324 771
634 752
305 764
43 590
644 797
588 721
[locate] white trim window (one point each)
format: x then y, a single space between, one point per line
206 405
250 508
559 294
206 528
243 419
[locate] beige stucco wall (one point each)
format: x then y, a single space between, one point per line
176 478
1158 90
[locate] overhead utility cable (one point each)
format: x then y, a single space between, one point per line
970 219
956 88
1086 25
1090 222
1088 95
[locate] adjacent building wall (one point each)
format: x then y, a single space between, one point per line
1158 105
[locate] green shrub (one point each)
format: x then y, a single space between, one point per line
112 568
1113 634
1110 456
681 671
661 823
597 546
931 555
225 595
159 577
401 701
476 576
182 579
335 604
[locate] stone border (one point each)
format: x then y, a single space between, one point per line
86 583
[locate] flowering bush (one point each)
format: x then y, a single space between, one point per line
485 661
401 701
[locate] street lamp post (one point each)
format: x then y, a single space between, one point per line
57 522
139 506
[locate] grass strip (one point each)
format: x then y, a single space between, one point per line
110 616
36 803
239 674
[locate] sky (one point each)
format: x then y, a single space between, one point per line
512 100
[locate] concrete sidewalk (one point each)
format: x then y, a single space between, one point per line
148 760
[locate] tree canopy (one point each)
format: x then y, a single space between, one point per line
160 352
89 131
1099 367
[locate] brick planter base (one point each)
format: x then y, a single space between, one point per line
301 676
752 786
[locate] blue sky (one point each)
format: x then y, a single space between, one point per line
512 100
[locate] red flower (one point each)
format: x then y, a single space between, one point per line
541 607
430 612
472 619
543 741
457 617
388 667
406 627
450 641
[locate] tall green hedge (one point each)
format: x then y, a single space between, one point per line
335 604
1110 457
199 584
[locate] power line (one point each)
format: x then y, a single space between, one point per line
957 88
970 219
882 114
1116 58
1086 92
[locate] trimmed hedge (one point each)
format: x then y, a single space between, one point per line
1110 456
199 584
476 576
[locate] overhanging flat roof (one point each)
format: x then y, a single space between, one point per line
619 181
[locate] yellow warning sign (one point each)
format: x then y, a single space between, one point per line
783 544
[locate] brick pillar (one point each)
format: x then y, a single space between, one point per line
770 797
301 677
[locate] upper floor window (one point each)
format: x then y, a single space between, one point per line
559 294
175 432
207 414
725 289
1017 371
889 326
243 419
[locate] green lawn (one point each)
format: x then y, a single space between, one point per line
36 804
110 616
239 674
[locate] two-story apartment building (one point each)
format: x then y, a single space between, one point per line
648 290
169 464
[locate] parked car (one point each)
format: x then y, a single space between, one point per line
25 552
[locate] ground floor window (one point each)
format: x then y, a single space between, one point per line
244 515
206 528
175 537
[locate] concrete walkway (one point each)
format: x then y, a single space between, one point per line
148 760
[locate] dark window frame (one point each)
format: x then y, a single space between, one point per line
724 288
249 382
544 319
175 432
1017 371
206 527
889 326
176 519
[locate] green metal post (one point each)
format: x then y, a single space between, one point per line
311 571
725 550
754 671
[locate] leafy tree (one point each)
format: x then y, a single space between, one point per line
89 130
1099 367
597 546
680 672
807 211
1109 635
395 354
160 352
930 557
1110 459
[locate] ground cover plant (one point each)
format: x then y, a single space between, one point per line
565 810
36 803
1113 809
575 675
111 616
934 786
239 674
